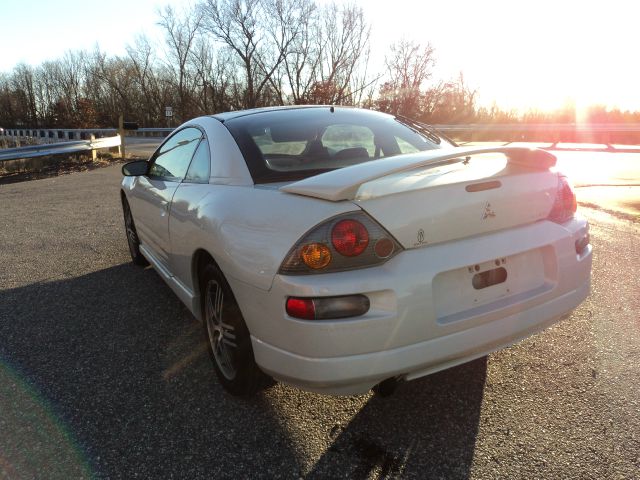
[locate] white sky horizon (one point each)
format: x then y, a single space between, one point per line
520 55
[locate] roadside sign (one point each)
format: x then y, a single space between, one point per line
168 111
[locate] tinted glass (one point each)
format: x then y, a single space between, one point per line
173 158
291 144
199 168
353 141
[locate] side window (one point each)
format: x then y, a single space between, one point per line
199 168
172 160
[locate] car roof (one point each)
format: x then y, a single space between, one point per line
242 113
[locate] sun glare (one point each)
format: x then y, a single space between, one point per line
536 56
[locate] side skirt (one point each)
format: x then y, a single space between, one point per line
185 295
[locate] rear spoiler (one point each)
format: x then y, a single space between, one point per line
343 183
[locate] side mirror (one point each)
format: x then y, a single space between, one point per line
135 169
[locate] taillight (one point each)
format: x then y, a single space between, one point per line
327 308
349 237
345 242
565 204
301 308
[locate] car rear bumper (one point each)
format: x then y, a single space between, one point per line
356 374
424 316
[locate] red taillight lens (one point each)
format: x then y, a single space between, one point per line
384 247
350 238
565 204
301 308
328 308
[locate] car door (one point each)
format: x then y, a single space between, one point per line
185 222
151 195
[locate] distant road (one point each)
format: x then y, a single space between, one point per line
141 147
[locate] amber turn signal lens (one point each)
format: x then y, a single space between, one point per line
316 255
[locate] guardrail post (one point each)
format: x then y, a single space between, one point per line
93 150
121 148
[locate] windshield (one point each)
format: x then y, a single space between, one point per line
292 144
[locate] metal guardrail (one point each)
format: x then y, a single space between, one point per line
57 135
51 135
78 134
31 151
543 127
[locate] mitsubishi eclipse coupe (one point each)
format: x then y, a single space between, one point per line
339 249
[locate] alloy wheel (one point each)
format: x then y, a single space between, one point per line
221 334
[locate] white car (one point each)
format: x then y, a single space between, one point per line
339 249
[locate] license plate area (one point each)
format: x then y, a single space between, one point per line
476 289
489 278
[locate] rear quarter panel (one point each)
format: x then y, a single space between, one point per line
247 230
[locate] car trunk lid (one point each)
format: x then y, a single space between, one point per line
438 196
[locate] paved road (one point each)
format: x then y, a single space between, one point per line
141 147
104 373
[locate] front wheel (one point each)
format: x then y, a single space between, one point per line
228 337
132 236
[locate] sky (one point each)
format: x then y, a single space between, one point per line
520 54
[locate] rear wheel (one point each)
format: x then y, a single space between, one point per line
132 236
228 337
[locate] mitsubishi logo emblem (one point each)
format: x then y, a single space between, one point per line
488 212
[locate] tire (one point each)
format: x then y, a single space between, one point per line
228 337
132 236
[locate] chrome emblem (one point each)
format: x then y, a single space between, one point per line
488 212
421 236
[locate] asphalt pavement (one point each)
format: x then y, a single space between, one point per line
104 374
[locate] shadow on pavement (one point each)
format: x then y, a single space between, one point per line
118 364
116 369
427 429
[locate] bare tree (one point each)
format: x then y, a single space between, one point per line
180 32
453 101
230 54
300 67
236 24
214 76
146 77
343 46
287 27
409 67
23 82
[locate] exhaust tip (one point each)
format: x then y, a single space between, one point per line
387 387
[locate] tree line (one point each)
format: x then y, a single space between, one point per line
221 55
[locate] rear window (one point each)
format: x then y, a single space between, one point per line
292 144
